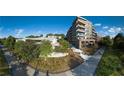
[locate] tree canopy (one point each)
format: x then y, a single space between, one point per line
64 45
106 41
34 36
45 48
10 42
119 41
26 50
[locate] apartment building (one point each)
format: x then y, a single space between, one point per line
81 33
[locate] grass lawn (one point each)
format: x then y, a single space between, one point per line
111 63
57 65
4 70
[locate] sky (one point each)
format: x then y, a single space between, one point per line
21 26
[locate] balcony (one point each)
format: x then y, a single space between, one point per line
80 30
94 34
81 22
80 34
93 28
81 26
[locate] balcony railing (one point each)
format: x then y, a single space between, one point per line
80 30
82 26
80 34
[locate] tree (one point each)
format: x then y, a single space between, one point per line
61 35
10 42
26 50
18 48
33 36
2 41
50 34
64 45
122 58
106 41
41 35
119 41
45 49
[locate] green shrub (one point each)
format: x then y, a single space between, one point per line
122 58
64 45
110 64
56 65
45 49
4 70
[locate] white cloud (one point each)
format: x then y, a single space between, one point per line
111 31
105 27
115 30
18 32
103 33
97 24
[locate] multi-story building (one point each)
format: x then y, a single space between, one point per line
81 33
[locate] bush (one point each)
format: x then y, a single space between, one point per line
110 64
118 42
115 73
45 49
58 49
56 65
64 45
105 41
10 42
122 59
4 69
26 50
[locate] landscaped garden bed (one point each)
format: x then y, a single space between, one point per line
57 65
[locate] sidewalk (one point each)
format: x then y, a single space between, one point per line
89 66
17 69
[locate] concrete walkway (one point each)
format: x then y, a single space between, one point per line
89 66
17 69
